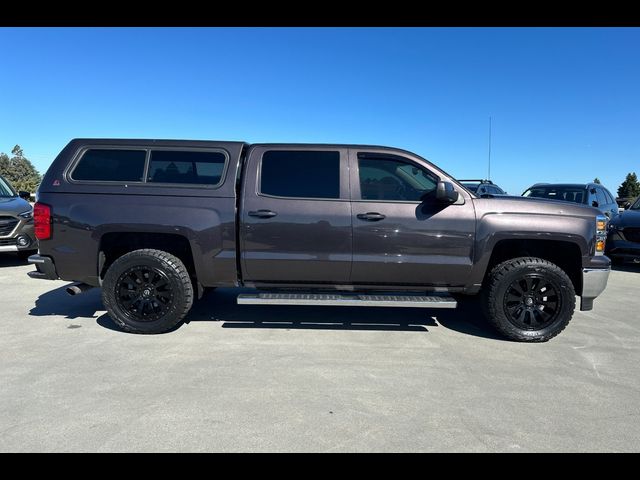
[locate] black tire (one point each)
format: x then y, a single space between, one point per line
528 299
147 291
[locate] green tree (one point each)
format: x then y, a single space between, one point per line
630 187
597 180
19 170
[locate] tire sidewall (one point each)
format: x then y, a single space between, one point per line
120 317
565 291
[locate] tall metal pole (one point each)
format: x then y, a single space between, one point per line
489 174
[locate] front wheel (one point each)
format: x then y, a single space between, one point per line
147 291
529 299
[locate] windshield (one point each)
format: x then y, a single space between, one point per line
5 189
470 186
576 194
636 205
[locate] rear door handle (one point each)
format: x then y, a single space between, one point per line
262 213
371 216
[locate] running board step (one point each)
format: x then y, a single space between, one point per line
412 301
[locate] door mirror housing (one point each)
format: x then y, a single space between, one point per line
24 195
446 193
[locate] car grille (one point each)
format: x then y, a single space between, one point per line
7 242
632 234
7 224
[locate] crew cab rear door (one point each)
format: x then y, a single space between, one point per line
295 216
402 235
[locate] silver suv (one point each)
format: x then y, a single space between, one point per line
16 221
591 194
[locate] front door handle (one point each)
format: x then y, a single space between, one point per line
371 216
262 213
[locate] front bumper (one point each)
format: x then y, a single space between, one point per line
594 281
623 250
24 232
45 268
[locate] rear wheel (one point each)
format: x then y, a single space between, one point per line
529 299
147 291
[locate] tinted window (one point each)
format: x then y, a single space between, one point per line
471 186
301 174
390 179
111 166
170 166
497 190
608 196
5 189
601 198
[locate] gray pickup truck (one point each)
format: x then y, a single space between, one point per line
156 222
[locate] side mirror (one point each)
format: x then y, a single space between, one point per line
594 204
24 195
446 193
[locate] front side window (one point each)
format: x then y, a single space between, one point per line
186 167
110 165
300 174
395 180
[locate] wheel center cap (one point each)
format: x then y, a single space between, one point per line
528 301
146 292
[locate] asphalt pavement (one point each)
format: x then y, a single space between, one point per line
325 379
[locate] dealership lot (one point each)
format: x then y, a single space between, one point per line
258 378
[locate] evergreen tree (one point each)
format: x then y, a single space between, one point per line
630 187
597 180
19 171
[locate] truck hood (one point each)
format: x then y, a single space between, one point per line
13 206
628 218
541 206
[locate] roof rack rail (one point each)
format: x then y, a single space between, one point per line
479 180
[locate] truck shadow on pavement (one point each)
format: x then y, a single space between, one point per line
59 302
220 306
11 260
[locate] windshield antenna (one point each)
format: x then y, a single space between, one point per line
489 173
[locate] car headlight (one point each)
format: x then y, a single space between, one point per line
28 215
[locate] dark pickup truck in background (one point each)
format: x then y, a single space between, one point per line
156 222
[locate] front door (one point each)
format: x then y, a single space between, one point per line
401 234
296 216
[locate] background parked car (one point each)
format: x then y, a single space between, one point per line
16 221
592 194
625 202
482 187
623 241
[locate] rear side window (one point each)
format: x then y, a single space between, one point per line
602 200
111 165
608 196
300 174
171 166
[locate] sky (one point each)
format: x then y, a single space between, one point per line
564 102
